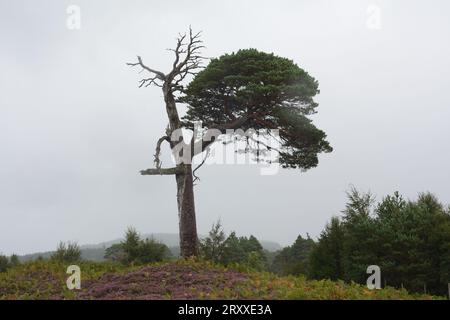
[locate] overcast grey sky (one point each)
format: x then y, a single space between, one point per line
75 129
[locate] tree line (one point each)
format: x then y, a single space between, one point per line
408 240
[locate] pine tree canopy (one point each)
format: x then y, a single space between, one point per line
259 91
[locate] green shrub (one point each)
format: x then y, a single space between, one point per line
150 250
293 260
131 245
14 260
115 253
4 263
67 253
232 250
134 250
212 247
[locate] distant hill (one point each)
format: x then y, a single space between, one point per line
96 252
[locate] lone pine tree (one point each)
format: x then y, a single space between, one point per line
244 90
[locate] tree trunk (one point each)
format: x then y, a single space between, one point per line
185 187
186 213
187 60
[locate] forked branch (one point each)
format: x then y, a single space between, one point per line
187 58
187 61
158 74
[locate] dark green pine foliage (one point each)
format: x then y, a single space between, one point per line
130 245
233 250
326 261
359 246
294 259
433 245
414 244
229 250
393 239
67 253
134 250
212 247
265 92
243 250
409 240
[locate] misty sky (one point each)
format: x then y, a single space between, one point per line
75 129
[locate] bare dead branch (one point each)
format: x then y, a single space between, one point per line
159 75
178 50
149 81
200 165
162 171
187 59
158 150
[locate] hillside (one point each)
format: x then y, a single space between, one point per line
175 280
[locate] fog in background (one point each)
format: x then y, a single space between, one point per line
75 129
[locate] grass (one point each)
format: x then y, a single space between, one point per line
177 280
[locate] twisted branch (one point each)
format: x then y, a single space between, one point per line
158 150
